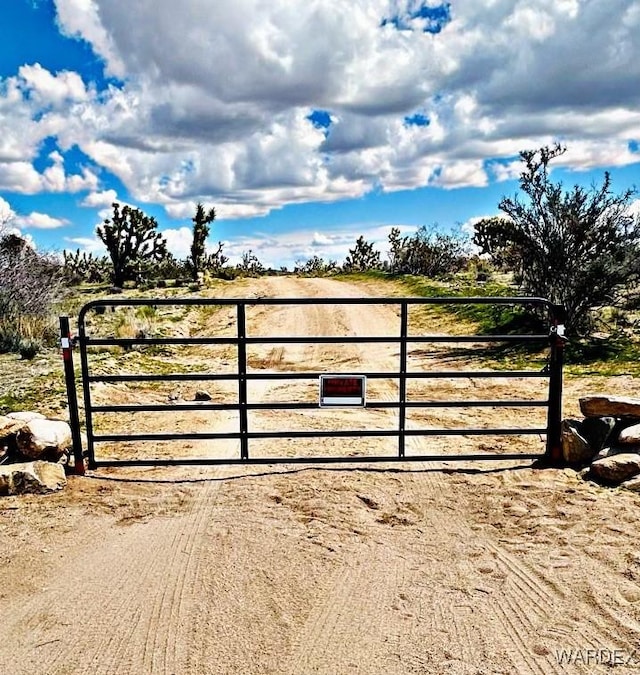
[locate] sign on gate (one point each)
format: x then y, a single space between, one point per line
342 390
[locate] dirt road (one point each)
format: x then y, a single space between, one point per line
416 568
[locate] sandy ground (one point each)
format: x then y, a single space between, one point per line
490 567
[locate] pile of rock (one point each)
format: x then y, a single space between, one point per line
33 453
606 443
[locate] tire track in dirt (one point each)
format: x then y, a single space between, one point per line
530 615
130 599
335 623
352 611
520 600
155 614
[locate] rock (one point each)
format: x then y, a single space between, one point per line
597 431
616 468
584 474
31 477
44 438
202 395
609 451
26 416
9 426
630 435
632 484
610 406
576 450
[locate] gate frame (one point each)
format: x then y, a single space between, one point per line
552 371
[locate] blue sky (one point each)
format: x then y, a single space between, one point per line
306 124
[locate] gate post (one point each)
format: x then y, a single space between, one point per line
557 338
72 397
402 384
242 381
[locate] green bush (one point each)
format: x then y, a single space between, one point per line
577 247
28 348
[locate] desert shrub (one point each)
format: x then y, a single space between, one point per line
82 267
314 267
30 284
229 273
578 247
28 348
428 253
249 265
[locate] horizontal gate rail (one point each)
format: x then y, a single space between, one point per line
233 302
317 434
191 377
329 459
318 339
160 407
243 375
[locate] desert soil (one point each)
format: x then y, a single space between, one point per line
442 567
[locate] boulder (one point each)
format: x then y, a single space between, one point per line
610 406
9 426
31 477
616 468
26 416
608 451
597 431
202 395
44 438
630 435
632 484
576 450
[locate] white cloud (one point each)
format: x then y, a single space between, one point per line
320 240
21 177
41 221
506 171
459 174
48 89
79 18
214 98
104 198
178 241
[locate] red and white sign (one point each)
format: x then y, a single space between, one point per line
343 390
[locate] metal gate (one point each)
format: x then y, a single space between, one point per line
243 374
